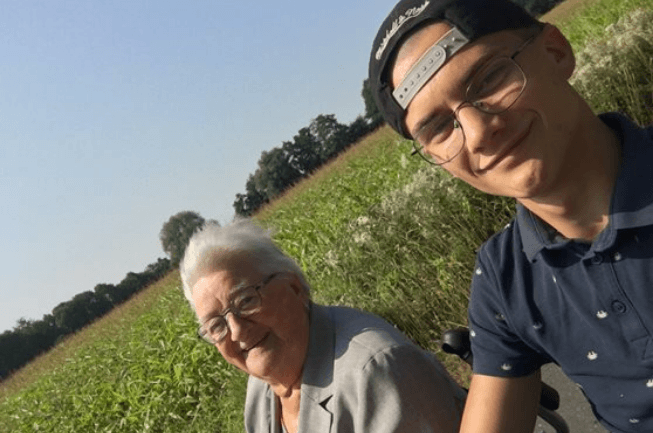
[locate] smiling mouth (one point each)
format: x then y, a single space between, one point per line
507 150
265 336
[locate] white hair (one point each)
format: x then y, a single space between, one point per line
215 248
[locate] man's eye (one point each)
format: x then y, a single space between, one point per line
437 130
489 80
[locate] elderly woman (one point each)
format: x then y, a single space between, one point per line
311 368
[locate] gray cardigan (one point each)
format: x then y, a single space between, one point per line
362 375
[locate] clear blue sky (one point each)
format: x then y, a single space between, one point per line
115 115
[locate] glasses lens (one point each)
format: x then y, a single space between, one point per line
440 143
496 86
247 301
493 89
214 330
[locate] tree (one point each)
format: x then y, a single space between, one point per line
28 339
248 203
11 352
158 269
81 310
132 283
275 173
372 114
314 145
108 292
70 316
331 135
39 335
176 233
303 152
357 129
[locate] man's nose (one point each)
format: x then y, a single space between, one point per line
481 129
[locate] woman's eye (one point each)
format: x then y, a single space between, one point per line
214 327
246 301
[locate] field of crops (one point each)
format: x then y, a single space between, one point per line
376 229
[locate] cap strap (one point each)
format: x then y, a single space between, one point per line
428 65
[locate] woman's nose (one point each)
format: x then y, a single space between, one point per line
238 327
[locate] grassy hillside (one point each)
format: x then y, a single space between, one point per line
138 369
375 229
585 20
382 231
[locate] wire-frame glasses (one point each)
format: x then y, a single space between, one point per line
245 302
493 90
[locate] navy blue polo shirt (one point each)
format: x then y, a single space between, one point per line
537 297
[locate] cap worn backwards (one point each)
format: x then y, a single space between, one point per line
470 20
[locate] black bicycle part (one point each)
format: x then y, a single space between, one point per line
456 341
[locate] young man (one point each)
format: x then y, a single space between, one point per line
481 88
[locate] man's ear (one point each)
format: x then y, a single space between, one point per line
558 50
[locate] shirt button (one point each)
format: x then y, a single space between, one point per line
597 259
618 307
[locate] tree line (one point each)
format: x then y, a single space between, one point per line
30 338
314 145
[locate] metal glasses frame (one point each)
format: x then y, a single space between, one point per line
419 149
202 333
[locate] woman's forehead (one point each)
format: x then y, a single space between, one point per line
214 290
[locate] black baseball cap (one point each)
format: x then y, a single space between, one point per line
471 19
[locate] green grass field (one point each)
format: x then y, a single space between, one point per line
375 229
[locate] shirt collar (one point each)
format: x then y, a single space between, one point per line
632 199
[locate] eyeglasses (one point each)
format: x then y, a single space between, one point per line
245 302
492 90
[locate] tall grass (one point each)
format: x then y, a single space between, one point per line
615 71
321 206
588 22
149 374
375 229
386 233
408 257
315 215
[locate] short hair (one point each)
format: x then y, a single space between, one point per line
215 248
